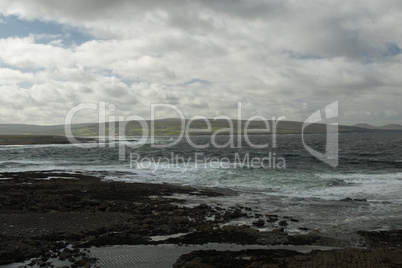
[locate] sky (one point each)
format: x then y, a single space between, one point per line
277 58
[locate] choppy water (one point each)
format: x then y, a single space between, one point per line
297 184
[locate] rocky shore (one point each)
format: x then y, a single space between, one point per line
53 216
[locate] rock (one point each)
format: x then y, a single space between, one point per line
34 262
205 228
259 223
85 262
47 254
271 217
277 230
76 252
44 259
283 223
67 253
148 221
219 219
92 202
348 199
71 198
61 209
233 215
203 206
75 235
360 199
243 258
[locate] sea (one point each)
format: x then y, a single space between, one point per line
358 188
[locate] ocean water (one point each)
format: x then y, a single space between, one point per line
283 178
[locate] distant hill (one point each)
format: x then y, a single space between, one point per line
392 126
386 127
364 126
172 127
25 129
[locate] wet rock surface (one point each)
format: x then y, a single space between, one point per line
52 215
40 209
378 239
287 258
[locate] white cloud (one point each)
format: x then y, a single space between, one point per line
276 57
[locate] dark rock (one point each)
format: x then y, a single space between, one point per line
360 199
243 258
205 228
283 223
229 233
271 218
278 230
67 253
34 262
148 221
259 223
203 206
392 238
74 235
348 199
92 202
47 254
71 197
44 259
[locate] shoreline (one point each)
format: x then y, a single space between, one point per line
40 209
39 140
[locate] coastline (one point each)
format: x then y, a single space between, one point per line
40 209
38 139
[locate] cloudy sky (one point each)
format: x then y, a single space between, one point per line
278 58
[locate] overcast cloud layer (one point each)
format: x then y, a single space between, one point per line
276 57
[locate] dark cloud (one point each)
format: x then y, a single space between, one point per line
392 49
